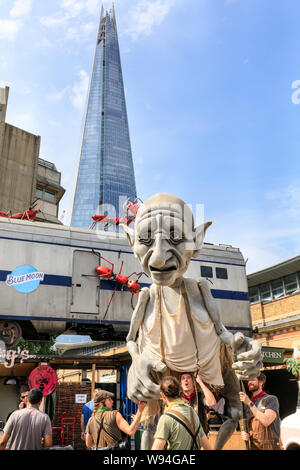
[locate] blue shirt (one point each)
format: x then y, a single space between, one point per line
87 411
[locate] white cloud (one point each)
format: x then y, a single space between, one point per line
142 17
268 233
88 28
52 21
73 7
54 123
23 121
57 95
79 90
21 8
43 43
70 9
9 29
145 15
287 199
92 6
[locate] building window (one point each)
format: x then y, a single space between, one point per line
290 284
206 271
39 192
253 294
265 292
277 289
50 196
221 273
45 194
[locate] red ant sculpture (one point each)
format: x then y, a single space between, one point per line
131 284
30 214
130 207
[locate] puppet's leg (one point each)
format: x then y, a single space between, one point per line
231 392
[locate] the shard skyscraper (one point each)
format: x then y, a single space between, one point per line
106 168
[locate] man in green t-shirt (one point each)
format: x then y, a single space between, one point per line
179 427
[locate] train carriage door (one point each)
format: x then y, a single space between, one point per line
85 283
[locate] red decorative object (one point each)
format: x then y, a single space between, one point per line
121 279
44 378
133 286
104 271
130 207
30 214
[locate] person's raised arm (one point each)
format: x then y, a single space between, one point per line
209 399
266 418
130 429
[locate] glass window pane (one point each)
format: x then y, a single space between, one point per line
206 271
221 273
265 292
290 283
50 196
39 192
277 288
253 294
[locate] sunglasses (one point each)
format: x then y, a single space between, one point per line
23 396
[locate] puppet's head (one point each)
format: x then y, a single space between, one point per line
164 238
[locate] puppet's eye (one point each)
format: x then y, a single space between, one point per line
145 238
176 237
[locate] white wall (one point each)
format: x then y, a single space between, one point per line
9 399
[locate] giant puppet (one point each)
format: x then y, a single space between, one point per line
176 326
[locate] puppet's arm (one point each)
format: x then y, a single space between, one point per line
247 350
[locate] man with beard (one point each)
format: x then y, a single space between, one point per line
263 421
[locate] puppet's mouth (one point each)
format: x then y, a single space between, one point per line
162 270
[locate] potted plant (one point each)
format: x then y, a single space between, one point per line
293 366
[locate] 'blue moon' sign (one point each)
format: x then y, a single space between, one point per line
24 279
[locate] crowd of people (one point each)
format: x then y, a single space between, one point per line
190 409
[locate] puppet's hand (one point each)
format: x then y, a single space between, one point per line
249 357
139 386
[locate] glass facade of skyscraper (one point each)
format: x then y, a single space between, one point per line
106 168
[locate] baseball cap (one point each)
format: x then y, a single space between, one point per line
101 395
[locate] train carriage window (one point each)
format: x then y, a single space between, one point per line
221 273
277 289
253 294
206 271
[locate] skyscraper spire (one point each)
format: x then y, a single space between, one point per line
113 15
102 13
106 170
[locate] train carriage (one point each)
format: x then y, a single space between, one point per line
49 286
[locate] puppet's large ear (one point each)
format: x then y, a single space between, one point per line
129 233
199 237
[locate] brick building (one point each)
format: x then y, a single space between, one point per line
274 295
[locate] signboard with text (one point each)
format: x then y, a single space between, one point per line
273 355
80 398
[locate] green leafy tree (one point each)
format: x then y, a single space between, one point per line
38 348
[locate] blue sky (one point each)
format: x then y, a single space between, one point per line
213 114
